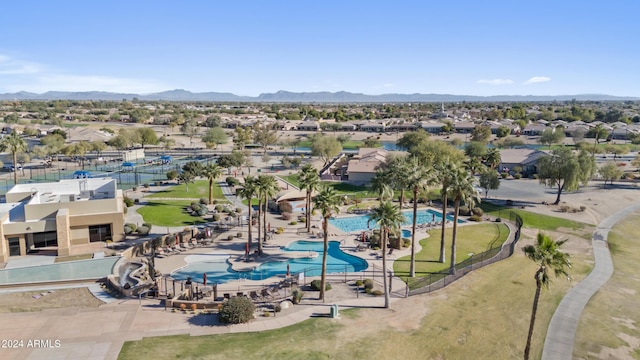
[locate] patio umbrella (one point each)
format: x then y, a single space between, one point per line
204 279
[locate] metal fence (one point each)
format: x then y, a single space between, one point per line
439 280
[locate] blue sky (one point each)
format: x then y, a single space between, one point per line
373 47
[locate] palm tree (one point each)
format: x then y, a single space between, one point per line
444 170
211 172
328 202
267 188
14 143
493 158
389 218
398 171
420 178
547 255
309 180
248 191
380 185
462 189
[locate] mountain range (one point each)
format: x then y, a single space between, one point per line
303 97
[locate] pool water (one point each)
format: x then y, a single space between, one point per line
71 270
218 267
406 233
361 222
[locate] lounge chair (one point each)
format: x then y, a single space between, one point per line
254 296
265 294
227 296
275 292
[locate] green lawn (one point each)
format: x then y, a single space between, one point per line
532 220
197 190
472 239
168 213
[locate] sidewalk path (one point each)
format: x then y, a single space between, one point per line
562 329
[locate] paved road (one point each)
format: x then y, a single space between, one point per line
558 344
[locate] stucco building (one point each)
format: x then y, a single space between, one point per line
63 217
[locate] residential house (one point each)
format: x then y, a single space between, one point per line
524 158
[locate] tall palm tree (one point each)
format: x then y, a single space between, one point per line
398 171
444 170
328 202
248 191
462 189
211 172
13 143
547 255
389 218
267 189
309 180
419 180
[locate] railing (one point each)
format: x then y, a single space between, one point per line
436 281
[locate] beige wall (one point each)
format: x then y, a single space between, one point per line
40 211
361 177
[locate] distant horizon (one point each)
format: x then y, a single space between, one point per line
249 47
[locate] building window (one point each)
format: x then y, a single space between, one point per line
99 233
45 239
14 246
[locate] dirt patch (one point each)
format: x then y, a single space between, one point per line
40 300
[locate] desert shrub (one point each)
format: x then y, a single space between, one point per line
564 208
464 211
133 226
303 220
286 216
204 201
583 208
293 223
297 295
238 234
475 218
196 207
135 188
147 225
127 230
266 314
216 217
237 310
128 201
406 242
231 181
143 230
280 230
203 211
498 219
368 284
230 237
285 207
316 284
172 174
219 208
125 210
376 292
359 283
277 308
504 175
535 176
477 211
146 185
238 210
517 176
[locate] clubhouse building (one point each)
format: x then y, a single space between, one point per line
63 217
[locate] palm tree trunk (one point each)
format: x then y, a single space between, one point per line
527 348
452 269
307 214
412 266
15 168
249 238
210 190
383 235
264 219
444 213
323 280
259 222
401 198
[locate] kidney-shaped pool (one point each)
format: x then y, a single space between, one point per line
219 270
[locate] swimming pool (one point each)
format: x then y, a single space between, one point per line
219 270
361 222
70 270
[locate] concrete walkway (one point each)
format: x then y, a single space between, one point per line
558 344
